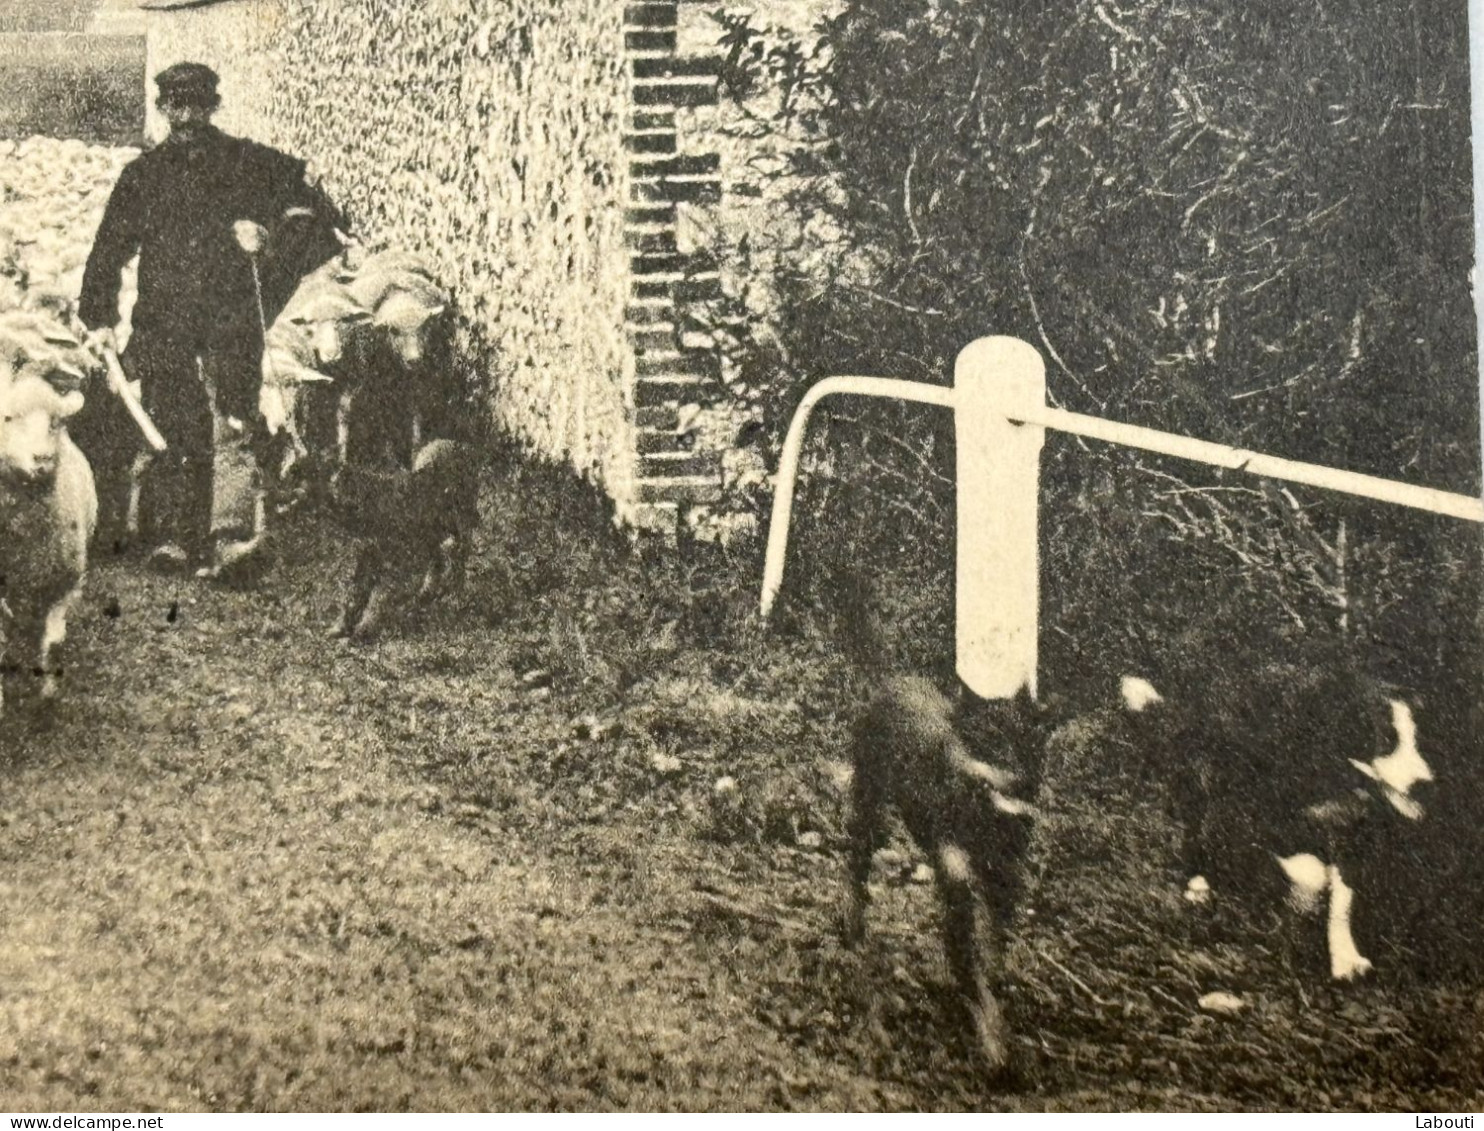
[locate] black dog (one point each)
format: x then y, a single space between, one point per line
414 527
1289 778
953 773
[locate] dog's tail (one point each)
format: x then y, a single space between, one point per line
1140 697
1153 728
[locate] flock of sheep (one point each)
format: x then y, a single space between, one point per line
355 376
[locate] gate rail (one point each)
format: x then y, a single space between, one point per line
1000 419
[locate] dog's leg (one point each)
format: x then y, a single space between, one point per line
455 558
358 593
866 832
1346 963
1308 879
24 654
1002 886
956 890
437 573
1191 797
379 605
5 643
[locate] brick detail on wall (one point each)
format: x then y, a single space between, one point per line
650 141
677 465
686 91
657 15
662 281
679 363
677 389
689 490
658 418
669 67
652 441
649 40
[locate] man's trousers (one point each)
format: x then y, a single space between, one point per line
177 389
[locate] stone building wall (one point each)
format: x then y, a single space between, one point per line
529 149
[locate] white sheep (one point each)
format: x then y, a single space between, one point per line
48 512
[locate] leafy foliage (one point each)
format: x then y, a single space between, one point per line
1237 223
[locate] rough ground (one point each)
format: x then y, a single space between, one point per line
480 866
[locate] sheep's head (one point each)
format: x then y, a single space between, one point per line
407 321
32 423
331 319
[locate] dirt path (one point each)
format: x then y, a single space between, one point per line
221 890
243 868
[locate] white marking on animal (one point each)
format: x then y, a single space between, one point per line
343 408
327 342
972 767
955 863
1403 768
1346 963
1012 806
1309 877
1139 694
1198 890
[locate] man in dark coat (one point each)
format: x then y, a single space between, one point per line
224 229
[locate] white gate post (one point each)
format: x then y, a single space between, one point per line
999 471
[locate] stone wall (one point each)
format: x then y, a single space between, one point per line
531 150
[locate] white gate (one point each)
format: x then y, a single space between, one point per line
1000 419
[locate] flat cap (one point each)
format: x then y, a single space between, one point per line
188 82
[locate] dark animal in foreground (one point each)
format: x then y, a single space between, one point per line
959 776
1288 781
414 527
48 512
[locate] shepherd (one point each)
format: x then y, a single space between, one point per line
225 228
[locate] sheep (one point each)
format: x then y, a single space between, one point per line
48 514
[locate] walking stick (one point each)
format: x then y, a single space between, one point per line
119 384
